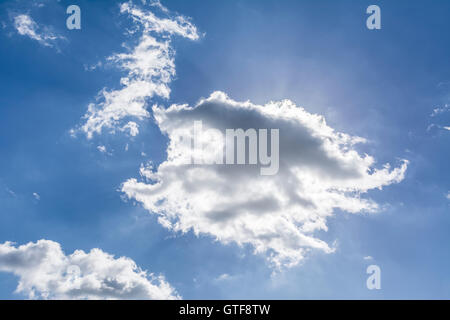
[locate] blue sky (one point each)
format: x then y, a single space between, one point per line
382 85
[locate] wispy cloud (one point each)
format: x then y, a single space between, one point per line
150 69
224 277
434 126
439 115
26 26
440 110
102 149
10 192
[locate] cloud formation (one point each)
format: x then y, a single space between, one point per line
439 110
26 26
45 272
319 172
150 69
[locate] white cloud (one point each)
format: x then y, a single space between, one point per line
224 277
12 193
102 149
320 171
93 67
150 69
440 110
45 272
36 196
157 4
132 127
437 127
368 258
448 195
26 26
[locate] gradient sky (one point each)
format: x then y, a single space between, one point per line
382 85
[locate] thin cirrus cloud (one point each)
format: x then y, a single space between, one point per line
26 26
150 69
319 171
45 272
440 112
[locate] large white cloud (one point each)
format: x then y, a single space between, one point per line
150 68
319 171
45 272
26 26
